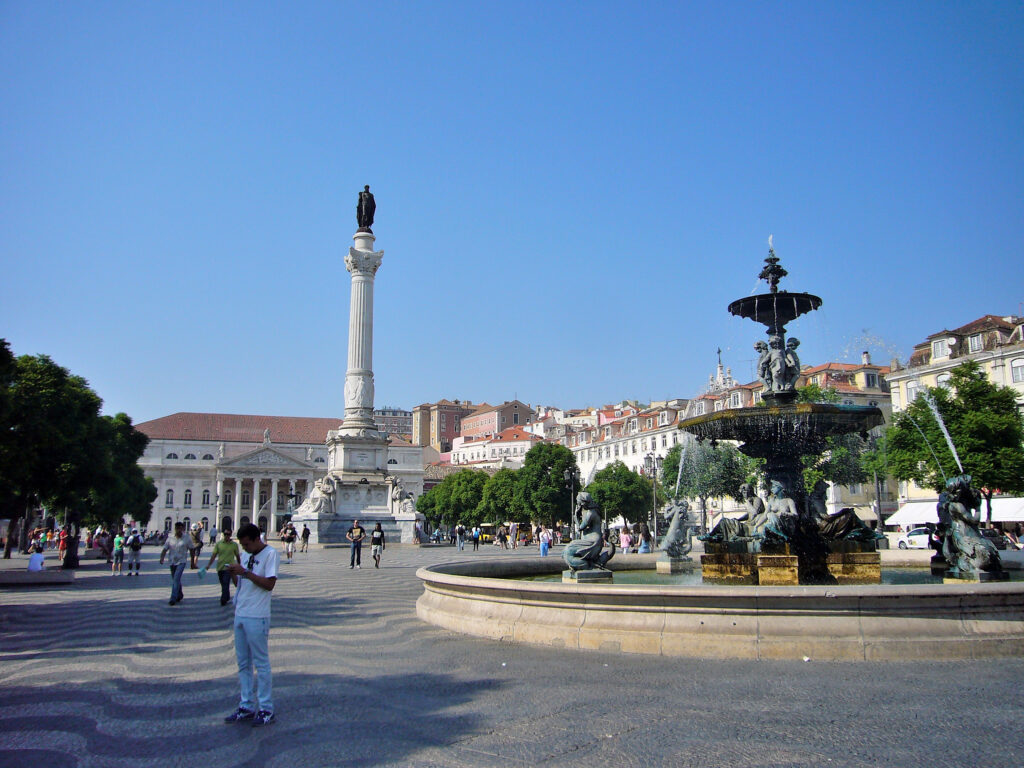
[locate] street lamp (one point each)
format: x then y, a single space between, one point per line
572 479
653 464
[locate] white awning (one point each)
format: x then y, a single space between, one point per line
1006 509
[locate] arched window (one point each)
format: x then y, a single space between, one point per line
942 379
205 522
263 498
169 498
392 461
172 455
207 457
206 497
227 497
190 456
318 460
188 497
1017 370
187 522
167 524
246 498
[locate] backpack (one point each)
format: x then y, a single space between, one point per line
135 542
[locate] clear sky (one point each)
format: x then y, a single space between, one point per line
568 194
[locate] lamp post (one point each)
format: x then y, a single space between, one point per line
572 479
653 464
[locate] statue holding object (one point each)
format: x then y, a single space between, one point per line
586 553
365 209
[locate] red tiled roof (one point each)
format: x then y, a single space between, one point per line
229 427
515 433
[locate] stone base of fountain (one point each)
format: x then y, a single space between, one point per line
674 565
595 576
974 577
725 566
855 567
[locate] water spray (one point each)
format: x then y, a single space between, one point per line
930 401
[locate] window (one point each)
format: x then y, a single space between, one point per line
1017 370
280 499
719 405
663 418
190 456
664 441
699 410
848 402
942 379
650 423
207 457
734 400
757 396
188 497
169 498
167 524
246 498
263 498
854 488
871 380
227 497
206 497
974 343
172 455
515 418
632 425
205 522
873 403
188 522
940 349
911 391
390 461
320 460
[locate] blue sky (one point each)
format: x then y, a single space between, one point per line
568 194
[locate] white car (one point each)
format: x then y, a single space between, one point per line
915 539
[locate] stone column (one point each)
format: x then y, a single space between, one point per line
238 504
220 497
273 504
255 501
362 262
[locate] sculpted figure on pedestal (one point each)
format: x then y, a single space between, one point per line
677 543
844 524
585 553
365 208
963 546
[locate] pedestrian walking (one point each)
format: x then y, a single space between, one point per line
195 544
225 552
356 534
117 568
288 536
177 546
646 540
376 544
476 537
544 537
513 533
460 536
255 581
305 538
133 550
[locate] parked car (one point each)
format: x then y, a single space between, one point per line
996 537
918 538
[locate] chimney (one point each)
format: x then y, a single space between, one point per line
865 358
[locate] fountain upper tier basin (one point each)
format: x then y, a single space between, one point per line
805 425
775 310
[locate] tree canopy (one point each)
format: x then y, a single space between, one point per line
985 426
618 490
58 451
708 471
496 503
455 499
541 493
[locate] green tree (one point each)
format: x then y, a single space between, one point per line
709 471
813 393
985 426
455 499
541 493
618 490
496 502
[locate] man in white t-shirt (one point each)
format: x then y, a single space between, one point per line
255 580
36 560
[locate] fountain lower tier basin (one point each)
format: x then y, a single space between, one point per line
768 429
828 623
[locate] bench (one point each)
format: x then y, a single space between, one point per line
10 578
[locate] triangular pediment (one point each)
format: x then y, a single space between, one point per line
265 456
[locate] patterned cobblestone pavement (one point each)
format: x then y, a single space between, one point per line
105 673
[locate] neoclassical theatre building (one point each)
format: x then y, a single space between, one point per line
222 470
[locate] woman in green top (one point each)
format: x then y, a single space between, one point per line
116 566
225 552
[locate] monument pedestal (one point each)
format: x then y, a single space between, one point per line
596 576
674 565
733 562
855 567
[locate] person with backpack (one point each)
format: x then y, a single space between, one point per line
377 544
305 538
460 536
476 537
288 536
133 548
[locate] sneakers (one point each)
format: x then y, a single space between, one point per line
262 718
240 715
359 567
